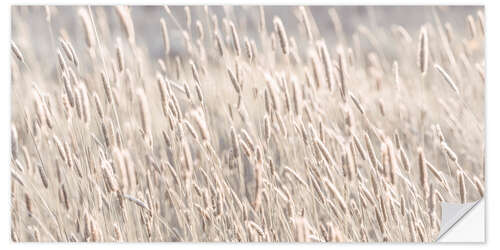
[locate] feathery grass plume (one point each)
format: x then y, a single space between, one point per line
144 112
411 226
76 62
432 207
16 177
447 78
29 204
68 157
16 51
380 222
14 141
18 165
234 81
393 167
471 25
480 70
27 158
187 11
126 22
245 147
357 103
66 49
267 128
258 172
404 159
480 17
262 20
317 188
95 233
422 171
353 163
396 139
383 207
295 96
219 43
279 28
163 67
119 55
324 151
65 197
403 33
60 59
273 42
479 186
164 32
270 82
236 39
84 101
449 152
342 72
194 70
109 177
87 25
439 134
395 69
43 175
198 91
301 230
137 202
335 235
359 147
305 21
36 234
249 50
98 105
435 172
336 194
118 164
288 102
40 110
461 184
448 32
423 51
267 101
247 140
334 16
295 175
327 65
48 115
117 233
163 93
107 87
68 90
60 148
78 103
315 69
402 205
281 124
371 151
202 126
66 106
188 162
252 225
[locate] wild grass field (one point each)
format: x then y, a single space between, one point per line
244 123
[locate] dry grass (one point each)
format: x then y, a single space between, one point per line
242 136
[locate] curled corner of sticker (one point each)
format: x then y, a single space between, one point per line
451 213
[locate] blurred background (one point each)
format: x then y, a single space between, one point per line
32 19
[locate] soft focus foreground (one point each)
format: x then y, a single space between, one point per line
244 123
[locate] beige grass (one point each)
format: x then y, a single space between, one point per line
298 138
